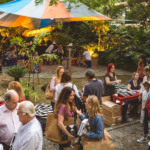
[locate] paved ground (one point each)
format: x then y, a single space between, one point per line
49 71
78 72
125 138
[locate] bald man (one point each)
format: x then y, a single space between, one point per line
9 121
29 135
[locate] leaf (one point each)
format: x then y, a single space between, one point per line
16 71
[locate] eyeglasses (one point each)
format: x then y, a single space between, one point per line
19 113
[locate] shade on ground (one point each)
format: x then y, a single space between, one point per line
25 13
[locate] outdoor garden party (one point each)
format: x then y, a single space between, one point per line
74 75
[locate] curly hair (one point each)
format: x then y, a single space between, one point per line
63 99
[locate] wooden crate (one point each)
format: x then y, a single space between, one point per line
111 113
113 119
111 124
110 106
105 98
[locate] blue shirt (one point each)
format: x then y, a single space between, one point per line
97 125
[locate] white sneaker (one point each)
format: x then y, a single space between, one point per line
143 139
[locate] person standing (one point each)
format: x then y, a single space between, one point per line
9 121
95 120
66 81
65 107
146 116
29 135
50 48
56 80
93 87
110 80
143 92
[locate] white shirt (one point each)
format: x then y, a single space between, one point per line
60 86
87 55
29 136
9 124
49 49
144 92
144 79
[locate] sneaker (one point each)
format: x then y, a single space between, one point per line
143 139
129 119
149 143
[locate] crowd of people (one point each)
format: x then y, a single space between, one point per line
20 130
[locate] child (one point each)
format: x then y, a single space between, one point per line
143 94
146 116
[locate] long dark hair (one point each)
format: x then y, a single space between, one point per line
63 99
66 77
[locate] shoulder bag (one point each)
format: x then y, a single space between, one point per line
104 144
48 93
52 131
72 129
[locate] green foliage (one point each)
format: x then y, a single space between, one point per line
74 32
29 93
38 2
130 43
139 10
5 1
49 57
30 50
16 71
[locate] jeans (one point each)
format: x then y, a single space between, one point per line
146 118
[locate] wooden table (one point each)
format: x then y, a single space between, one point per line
124 99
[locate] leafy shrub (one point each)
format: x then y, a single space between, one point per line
29 93
16 71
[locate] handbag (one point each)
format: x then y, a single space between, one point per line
49 94
44 87
104 144
52 131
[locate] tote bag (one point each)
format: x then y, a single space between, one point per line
103 144
52 131
49 94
